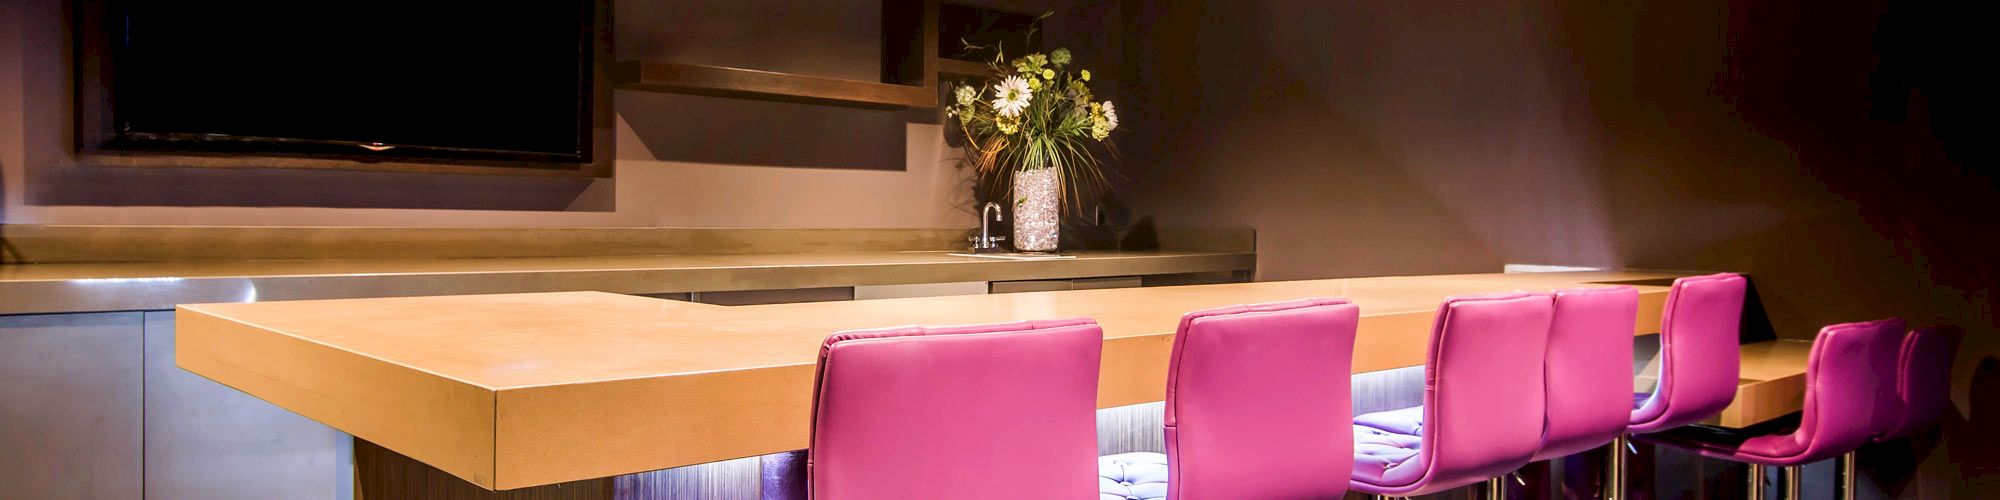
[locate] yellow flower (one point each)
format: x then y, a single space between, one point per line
1086 75
1034 84
1049 74
1008 124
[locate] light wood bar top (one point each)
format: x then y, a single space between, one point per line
1772 383
517 390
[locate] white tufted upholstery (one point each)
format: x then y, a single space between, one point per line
1132 476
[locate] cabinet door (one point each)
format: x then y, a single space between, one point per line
205 440
70 406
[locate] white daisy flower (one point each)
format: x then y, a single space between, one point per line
1110 115
1010 96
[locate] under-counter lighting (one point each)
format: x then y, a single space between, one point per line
123 281
249 288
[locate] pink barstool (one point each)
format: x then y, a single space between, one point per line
1923 388
1850 398
1923 375
1699 361
1588 370
1484 406
1257 405
1003 411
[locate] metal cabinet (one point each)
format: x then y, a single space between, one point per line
70 406
205 440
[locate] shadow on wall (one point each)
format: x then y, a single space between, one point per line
697 129
1971 435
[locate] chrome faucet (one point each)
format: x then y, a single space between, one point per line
986 242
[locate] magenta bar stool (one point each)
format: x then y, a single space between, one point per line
1699 361
1483 408
1923 387
1850 399
1923 375
1258 400
1003 411
1588 370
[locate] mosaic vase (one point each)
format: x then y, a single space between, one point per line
1037 209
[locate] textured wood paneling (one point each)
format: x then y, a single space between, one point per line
1388 389
726 480
70 406
381 474
1132 428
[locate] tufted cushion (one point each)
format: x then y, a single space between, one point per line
1405 421
1132 476
1385 458
1386 445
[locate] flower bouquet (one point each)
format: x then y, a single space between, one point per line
1034 128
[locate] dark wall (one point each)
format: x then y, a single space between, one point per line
1826 148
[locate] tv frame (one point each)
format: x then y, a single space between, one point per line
97 143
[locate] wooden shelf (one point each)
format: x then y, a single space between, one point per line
958 67
718 81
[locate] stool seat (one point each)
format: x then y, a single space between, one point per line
1386 457
1140 475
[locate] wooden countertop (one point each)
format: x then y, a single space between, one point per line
57 288
518 390
1771 383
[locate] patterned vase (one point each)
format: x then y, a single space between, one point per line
1037 209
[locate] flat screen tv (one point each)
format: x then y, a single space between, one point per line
507 83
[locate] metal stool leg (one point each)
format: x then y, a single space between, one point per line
1756 490
1845 464
1614 473
1792 482
1495 489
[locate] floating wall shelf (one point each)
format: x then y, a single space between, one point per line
909 70
718 81
963 68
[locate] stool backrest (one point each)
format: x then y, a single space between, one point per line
1589 369
1001 411
1483 403
1259 401
1923 375
1850 386
1699 357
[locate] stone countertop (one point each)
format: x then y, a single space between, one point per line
86 287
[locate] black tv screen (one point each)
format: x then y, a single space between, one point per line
394 80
